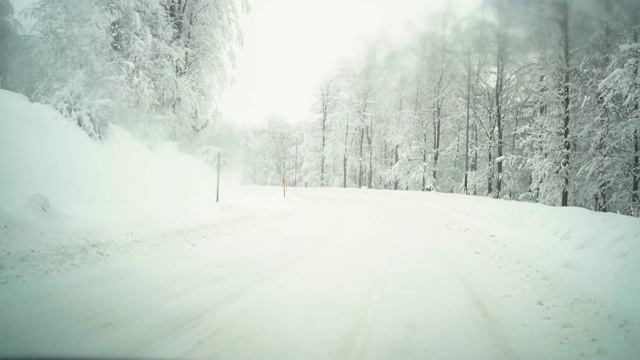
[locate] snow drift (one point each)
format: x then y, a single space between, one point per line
50 168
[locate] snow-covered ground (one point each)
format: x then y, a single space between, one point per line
334 274
117 249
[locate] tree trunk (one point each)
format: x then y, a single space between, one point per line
490 175
601 147
466 145
396 156
499 128
564 25
424 162
499 87
474 163
395 180
295 171
424 137
345 153
322 176
325 94
360 158
600 201
635 171
370 143
636 168
490 163
436 142
344 171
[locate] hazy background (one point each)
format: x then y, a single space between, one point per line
291 44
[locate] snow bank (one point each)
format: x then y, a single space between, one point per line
47 160
596 252
572 268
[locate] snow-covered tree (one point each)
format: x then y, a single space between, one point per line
157 63
203 36
620 100
8 36
74 67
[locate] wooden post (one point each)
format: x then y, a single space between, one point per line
218 178
284 185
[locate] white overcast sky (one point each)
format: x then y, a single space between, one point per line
290 44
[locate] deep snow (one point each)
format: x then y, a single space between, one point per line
118 249
112 182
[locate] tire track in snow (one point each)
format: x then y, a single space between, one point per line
489 320
228 302
84 316
132 313
233 316
366 324
345 236
90 314
121 301
180 291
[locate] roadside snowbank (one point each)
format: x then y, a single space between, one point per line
571 268
596 252
52 173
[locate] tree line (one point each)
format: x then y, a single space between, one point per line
527 100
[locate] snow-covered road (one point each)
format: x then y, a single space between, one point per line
326 274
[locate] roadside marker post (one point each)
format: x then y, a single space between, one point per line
218 178
284 185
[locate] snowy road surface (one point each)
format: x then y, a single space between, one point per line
323 275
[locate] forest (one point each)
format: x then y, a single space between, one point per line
528 100
524 100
